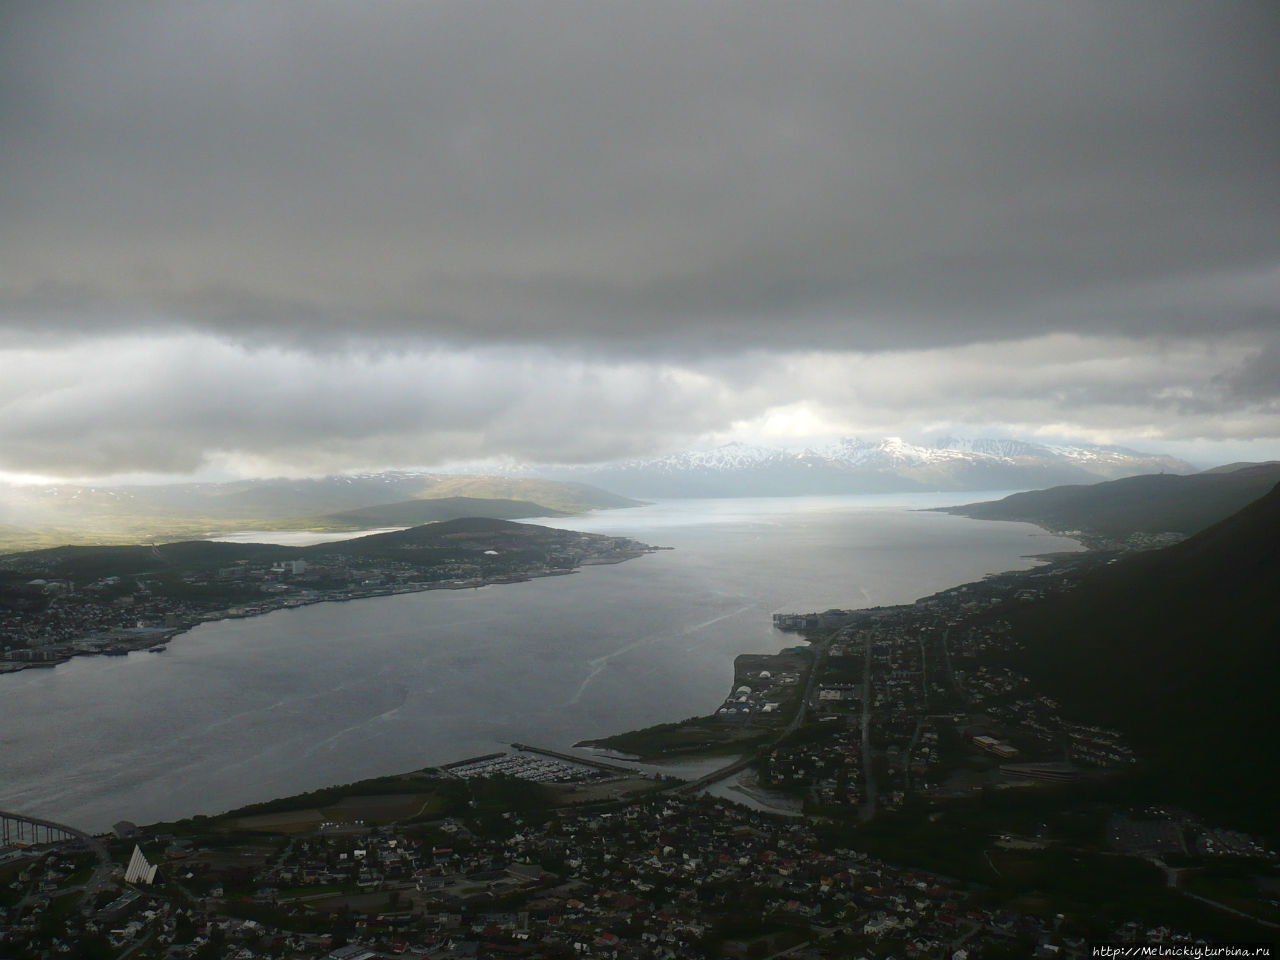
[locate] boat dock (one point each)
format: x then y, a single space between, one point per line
582 761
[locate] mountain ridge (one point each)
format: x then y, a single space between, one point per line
35 516
855 465
1151 504
436 509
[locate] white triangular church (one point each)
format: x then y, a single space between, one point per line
139 871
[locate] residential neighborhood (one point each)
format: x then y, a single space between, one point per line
901 791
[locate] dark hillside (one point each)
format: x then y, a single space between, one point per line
1151 504
1242 465
398 539
410 512
1181 648
417 544
87 563
516 545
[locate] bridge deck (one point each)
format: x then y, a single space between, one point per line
22 821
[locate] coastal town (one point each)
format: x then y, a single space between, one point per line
55 605
889 787
915 701
664 876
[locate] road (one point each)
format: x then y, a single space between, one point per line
924 675
819 654
869 788
105 869
737 766
951 674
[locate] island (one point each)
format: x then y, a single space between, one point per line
109 600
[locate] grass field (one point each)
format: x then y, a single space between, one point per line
697 736
348 809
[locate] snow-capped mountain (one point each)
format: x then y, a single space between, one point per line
855 465
1110 463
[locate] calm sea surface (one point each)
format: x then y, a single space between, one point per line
246 710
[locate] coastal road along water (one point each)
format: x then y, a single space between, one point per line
742 763
868 771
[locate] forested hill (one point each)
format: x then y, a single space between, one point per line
1150 504
1180 648
412 512
465 537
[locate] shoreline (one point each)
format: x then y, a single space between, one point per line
156 639
607 744
269 605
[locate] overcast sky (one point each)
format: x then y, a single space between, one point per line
263 238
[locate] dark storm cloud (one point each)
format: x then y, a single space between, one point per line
647 176
1257 378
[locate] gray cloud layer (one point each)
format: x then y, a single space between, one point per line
183 404
865 175
602 196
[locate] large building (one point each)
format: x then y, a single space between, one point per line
139 870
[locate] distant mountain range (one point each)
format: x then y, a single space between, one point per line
37 516
409 513
888 465
33 516
424 543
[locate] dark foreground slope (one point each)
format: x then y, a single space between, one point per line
1151 504
1181 648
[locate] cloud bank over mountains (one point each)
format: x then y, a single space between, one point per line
301 238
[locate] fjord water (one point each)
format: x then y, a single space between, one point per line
245 710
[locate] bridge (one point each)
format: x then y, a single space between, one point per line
17 829
715 776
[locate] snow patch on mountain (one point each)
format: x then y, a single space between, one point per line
862 465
